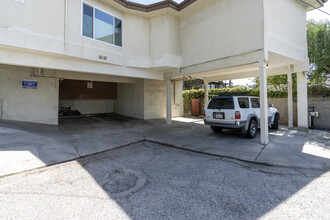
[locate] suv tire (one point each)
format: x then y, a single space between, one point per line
216 129
253 128
275 125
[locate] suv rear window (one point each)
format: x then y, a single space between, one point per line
221 103
243 102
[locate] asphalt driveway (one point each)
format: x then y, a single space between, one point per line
25 146
151 181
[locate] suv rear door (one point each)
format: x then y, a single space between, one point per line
255 103
221 110
244 105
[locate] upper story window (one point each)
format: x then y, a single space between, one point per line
101 26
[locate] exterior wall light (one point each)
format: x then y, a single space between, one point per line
90 85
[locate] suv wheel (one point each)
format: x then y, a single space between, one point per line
216 129
252 131
275 125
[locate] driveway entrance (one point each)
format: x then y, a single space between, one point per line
25 146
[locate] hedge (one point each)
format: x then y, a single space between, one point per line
313 90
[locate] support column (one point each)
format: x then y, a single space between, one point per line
302 101
290 102
263 103
168 101
206 93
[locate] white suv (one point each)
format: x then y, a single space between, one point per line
238 112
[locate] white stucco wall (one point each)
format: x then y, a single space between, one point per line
38 28
205 31
285 28
30 105
97 106
218 29
164 45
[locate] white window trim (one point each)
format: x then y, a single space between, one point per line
93 39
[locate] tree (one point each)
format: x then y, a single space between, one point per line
277 82
318 39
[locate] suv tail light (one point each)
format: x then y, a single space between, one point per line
237 115
204 115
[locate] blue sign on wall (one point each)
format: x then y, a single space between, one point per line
29 84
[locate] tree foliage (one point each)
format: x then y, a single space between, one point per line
278 82
318 38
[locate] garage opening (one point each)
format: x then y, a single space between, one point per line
79 97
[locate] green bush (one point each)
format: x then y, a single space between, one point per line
243 91
313 90
193 94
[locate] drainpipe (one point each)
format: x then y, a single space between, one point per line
65 24
0 108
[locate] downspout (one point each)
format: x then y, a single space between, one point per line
65 24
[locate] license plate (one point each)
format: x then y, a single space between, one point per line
218 115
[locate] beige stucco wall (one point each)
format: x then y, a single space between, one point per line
155 99
130 99
31 105
146 99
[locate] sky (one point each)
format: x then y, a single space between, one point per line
314 14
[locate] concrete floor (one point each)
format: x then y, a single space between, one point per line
25 146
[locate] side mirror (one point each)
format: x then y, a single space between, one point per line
271 105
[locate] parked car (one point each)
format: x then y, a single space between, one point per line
238 112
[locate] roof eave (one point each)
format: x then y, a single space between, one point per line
155 6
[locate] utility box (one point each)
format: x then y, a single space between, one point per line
311 115
195 107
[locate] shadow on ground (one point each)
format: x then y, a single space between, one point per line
148 179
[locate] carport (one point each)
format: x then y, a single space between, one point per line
254 64
87 97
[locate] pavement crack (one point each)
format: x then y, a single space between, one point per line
39 154
260 153
76 149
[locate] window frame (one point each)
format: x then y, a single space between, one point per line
114 27
248 102
214 99
252 102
